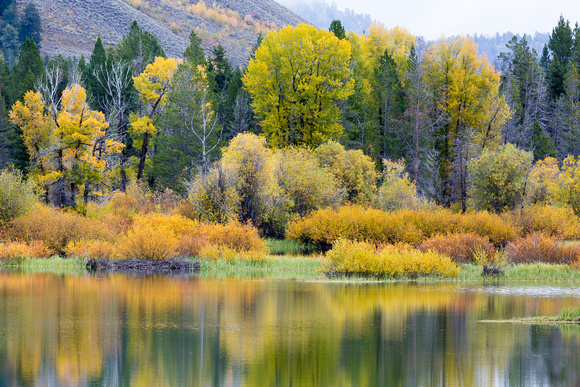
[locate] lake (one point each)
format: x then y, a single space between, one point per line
177 331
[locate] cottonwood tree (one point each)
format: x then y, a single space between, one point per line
296 78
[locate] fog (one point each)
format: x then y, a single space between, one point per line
431 19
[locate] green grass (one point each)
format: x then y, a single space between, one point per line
275 267
285 247
309 268
54 265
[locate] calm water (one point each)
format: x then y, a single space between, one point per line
124 330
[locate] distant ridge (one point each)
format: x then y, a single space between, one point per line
71 27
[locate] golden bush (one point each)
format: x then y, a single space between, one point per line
497 229
217 252
234 235
56 228
35 249
91 248
550 220
461 247
155 236
360 258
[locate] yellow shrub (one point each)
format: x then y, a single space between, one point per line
35 249
155 237
56 228
362 258
560 222
191 245
460 247
235 236
498 230
215 252
97 249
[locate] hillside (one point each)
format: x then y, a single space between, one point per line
71 27
321 14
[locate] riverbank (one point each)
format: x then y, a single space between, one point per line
309 268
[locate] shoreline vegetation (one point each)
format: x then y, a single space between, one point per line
299 268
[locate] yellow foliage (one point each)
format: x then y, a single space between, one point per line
298 74
360 258
56 228
29 116
542 180
90 248
34 249
357 223
152 83
549 220
567 187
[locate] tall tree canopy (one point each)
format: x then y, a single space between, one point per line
296 78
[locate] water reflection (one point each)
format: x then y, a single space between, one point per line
123 330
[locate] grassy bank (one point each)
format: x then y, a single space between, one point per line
288 267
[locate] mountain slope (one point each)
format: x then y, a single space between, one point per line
71 27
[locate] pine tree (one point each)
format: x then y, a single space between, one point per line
4 4
9 44
30 24
560 45
337 29
139 48
194 53
27 69
10 15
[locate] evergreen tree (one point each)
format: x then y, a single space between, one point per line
542 145
30 24
337 29
139 48
10 15
389 98
9 44
560 45
545 58
94 84
219 75
4 4
27 69
194 53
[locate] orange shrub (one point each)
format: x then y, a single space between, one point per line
97 249
362 258
191 245
541 248
460 247
56 228
35 249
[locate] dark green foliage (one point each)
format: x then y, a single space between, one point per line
139 48
390 100
560 46
30 24
545 58
29 67
337 29
542 144
92 74
4 4
9 44
194 53
10 15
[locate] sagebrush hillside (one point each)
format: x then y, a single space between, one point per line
71 27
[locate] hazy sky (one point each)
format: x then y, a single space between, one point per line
431 18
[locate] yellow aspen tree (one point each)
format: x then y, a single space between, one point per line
295 80
152 85
467 93
70 150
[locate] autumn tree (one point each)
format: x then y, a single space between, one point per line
498 177
152 85
68 147
296 78
467 93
